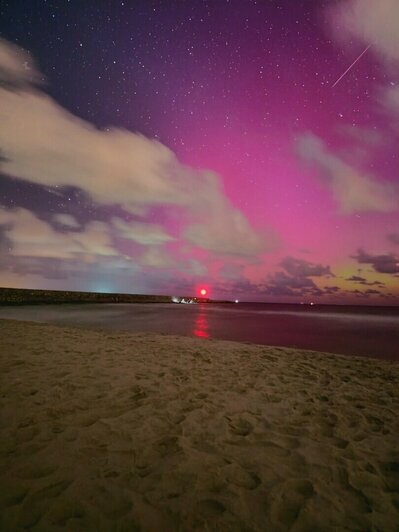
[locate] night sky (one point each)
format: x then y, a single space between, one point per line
166 146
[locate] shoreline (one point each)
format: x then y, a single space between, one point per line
110 332
118 431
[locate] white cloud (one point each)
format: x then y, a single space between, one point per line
353 190
374 22
16 65
32 237
143 233
43 143
157 258
67 220
212 235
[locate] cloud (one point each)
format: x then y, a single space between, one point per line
231 271
389 98
146 234
371 291
157 258
283 279
32 237
192 268
78 258
356 279
381 263
361 280
296 280
353 191
67 220
366 137
394 238
45 144
373 22
303 268
331 289
228 221
17 68
107 274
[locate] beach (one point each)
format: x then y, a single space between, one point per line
105 430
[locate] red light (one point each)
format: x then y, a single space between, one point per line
203 292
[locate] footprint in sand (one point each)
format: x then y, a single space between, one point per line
339 443
390 471
36 504
16 493
168 445
237 475
137 393
239 426
66 512
146 461
111 502
288 499
210 508
34 471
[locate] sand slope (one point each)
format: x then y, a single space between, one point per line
103 431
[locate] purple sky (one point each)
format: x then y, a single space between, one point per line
159 147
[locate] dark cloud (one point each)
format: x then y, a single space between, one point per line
363 281
282 284
381 263
296 281
356 279
331 289
370 291
303 268
366 294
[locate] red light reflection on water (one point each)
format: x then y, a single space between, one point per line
201 326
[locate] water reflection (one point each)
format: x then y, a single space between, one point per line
201 326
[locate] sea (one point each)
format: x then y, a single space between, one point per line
361 331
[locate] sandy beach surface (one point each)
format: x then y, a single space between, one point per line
114 431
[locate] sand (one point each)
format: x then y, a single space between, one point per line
113 431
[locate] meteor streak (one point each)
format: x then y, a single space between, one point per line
351 66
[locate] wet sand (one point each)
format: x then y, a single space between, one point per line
116 431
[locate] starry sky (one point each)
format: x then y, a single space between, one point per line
166 146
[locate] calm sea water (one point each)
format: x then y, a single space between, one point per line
364 331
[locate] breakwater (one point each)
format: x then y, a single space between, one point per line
22 296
